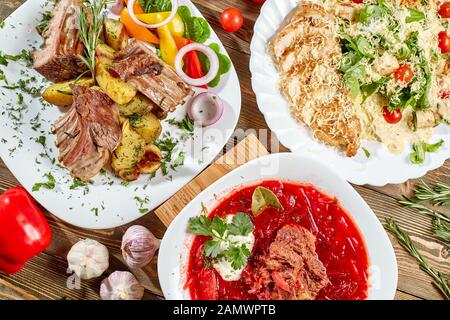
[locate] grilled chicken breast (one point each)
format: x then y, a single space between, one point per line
306 52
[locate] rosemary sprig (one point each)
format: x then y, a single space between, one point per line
439 195
91 18
440 280
441 222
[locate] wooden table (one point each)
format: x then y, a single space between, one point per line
45 276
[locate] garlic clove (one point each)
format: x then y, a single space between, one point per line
88 259
121 285
139 246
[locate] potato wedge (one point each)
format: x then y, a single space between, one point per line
147 125
151 161
60 94
105 51
115 34
130 151
119 91
139 105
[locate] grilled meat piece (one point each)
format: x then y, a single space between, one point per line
59 60
87 133
306 52
291 269
139 66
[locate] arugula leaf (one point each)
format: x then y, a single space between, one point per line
195 28
200 226
370 12
353 76
414 15
238 256
403 53
420 149
150 6
241 225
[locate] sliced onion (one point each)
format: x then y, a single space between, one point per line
213 59
205 109
152 26
117 7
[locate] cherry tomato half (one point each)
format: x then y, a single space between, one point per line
444 94
231 20
358 1
444 10
259 1
392 117
403 74
444 42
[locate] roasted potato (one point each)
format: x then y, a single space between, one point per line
130 151
151 161
115 88
147 125
139 105
60 94
105 51
115 34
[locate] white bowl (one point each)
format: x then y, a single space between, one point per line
175 246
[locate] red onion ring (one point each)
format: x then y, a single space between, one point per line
152 26
117 7
206 109
213 59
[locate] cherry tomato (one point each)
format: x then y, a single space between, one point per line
392 117
444 10
231 20
444 42
358 1
259 1
403 74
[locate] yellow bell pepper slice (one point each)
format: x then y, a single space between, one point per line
176 25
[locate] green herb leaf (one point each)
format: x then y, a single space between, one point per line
414 15
366 152
370 12
224 64
200 226
263 198
238 256
212 248
241 224
371 88
419 150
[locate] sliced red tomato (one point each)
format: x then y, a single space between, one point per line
392 117
208 280
444 10
403 74
231 20
444 42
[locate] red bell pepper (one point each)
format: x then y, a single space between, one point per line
24 232
192 61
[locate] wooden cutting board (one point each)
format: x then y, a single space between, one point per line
248 149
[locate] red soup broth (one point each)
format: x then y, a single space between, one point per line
339 244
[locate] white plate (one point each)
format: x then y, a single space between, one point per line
174 251
381 168
116 204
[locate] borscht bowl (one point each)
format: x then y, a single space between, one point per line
282 226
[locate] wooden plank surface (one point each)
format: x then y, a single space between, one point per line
45 276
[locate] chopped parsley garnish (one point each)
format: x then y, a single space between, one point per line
42 26
142 202
366 152
49 185
187 125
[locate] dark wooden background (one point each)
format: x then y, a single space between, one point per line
45 276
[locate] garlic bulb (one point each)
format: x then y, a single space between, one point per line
121 285
139 246
88 259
